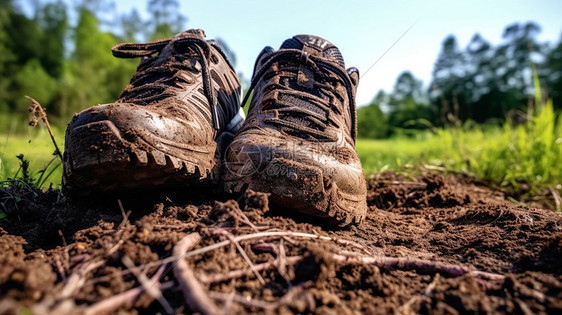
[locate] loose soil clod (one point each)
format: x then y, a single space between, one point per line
432 245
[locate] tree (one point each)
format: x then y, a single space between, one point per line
483 82
42 87
6 55
554 79
132 24
520 44
479 67
371 122
53 22
93 75
408 104
32 53
447 90
166 19
509 82
407 87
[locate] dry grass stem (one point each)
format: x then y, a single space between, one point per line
35 109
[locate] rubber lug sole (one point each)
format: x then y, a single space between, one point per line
98 159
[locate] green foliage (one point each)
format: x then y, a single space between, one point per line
371 122
37 148
93 75
484 82
554 77
166 20
131 24
410 115
398 152
6 56
43 87
523 157
70 67
53 23
481 83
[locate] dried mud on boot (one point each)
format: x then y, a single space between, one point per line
430 244
165 128
298 142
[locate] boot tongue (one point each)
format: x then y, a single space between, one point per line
193 33
315 45
177 46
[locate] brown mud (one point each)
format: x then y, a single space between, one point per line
429 245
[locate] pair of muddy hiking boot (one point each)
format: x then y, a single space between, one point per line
180 122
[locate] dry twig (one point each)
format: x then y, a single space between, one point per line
149 287
248 301
78 277
193 293
60 269
221 277
113 303
246 237
245 256
274 234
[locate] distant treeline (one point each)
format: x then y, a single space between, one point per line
59 54
67 66
481 83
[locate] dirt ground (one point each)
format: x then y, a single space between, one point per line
429 245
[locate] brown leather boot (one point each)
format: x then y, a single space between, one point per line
167 126
298 142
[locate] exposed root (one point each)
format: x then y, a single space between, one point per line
486 279
419 265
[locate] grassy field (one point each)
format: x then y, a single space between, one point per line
397 153
524 157
376 155
36 147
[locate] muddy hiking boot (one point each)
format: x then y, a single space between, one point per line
298 142
169 126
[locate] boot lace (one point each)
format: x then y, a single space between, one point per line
151 83
311 110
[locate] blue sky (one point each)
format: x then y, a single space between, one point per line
364 30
